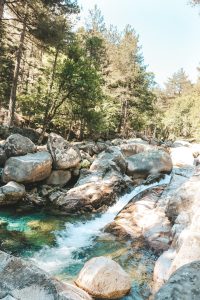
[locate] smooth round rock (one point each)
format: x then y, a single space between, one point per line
28 168
103 278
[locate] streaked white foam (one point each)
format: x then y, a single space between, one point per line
81 234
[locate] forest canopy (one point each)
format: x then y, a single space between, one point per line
86 81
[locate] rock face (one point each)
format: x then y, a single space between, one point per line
28 168
21 280
64 155
184 284
17 145
142 218
59 177
182 156
182 208
103 278
11 193
149 163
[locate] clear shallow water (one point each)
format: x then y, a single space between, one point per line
61 245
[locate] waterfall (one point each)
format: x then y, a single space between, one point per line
82 234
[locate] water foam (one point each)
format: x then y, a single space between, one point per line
82 234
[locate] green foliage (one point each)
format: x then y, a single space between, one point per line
6 70
182 118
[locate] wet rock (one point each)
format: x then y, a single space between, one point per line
161 269
64 155
22 280
17 145
91 195
184 284
59 178
103 278
182 156
150 162
11 193
142 218
28 168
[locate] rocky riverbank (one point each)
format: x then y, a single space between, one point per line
77 178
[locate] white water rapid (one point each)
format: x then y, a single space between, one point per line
78 235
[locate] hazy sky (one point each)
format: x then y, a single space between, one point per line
169 31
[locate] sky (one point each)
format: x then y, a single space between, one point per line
169 32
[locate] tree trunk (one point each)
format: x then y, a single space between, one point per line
12 102
125 118
46 114
2 2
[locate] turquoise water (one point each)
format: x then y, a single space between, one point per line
61 245
35 236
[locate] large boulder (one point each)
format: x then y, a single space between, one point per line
103 278
11 193
132 148
184 284
59 177
22 280
96 188
143 219
65 156
182 156
28 168
17 145
149 163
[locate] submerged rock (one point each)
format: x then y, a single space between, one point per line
17 145
22 280
64 155
11 193
149 163
184 284
103 278
28 168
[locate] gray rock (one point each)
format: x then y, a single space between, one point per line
184 284
17 145
149 163
3 156
59 177
132 148
22 280
11 193
64 155
29 168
